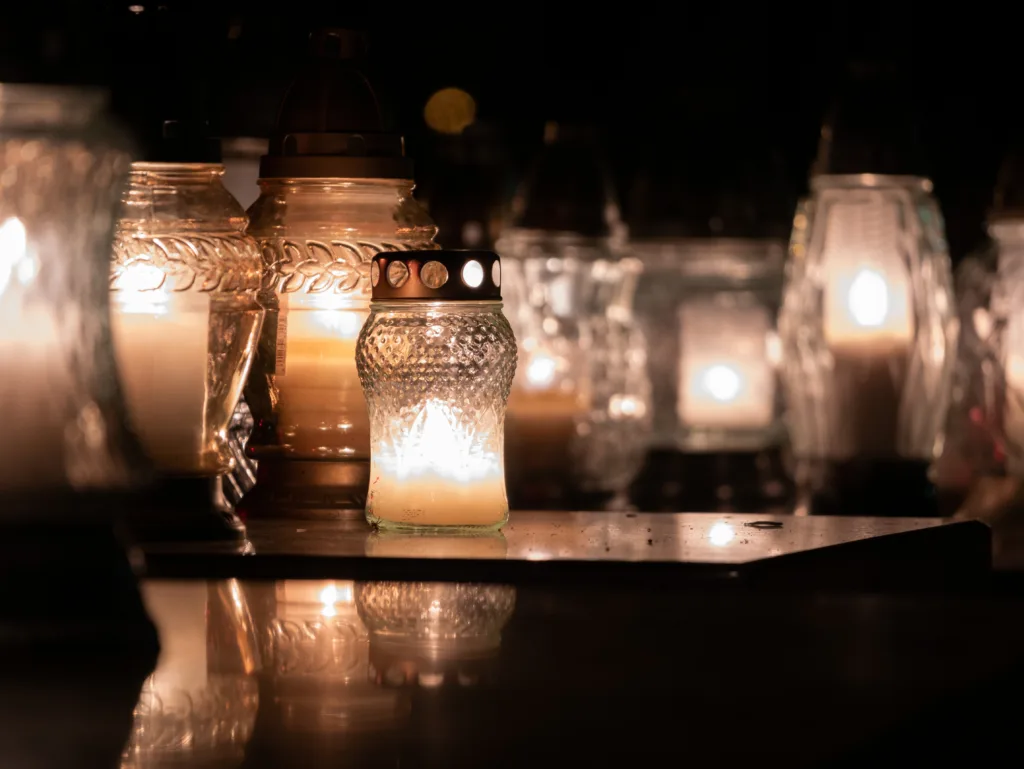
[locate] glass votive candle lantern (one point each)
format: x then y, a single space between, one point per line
65 429
185 319
436 360
869 333
709 308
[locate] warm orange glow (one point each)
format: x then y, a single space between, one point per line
450 111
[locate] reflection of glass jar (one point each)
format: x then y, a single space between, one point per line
317 697
183 283
436 359
436 620
578 413
200 704
64 429
335 190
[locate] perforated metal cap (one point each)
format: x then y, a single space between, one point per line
435 275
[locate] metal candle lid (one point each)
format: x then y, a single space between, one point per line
444 276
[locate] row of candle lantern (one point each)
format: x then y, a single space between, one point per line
867 328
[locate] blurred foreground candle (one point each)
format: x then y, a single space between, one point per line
335 189
183 284
64 426
436 360
869 324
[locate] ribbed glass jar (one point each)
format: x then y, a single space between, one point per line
437 376
868 322
62 167
318 237
183 283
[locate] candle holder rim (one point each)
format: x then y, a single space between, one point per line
831 181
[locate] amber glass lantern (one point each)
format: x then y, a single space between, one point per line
65 429
185 319
436 359
335 190
869 324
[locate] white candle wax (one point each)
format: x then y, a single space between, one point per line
726 380
160 344
322 411
439 472
178 609
867 299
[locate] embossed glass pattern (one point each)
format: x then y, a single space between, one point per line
868 323
709 309
183 282
437 377
318 237
199 705
443 616
61 170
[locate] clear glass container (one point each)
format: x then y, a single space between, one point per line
868 323
709 307
975 443
61 167
183 283
447 619
199 705
437 376
579 413
318 237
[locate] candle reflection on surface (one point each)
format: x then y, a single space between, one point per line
200 704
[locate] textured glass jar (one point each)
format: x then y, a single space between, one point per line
183 284
436 367
868 322
450 619
199 705
579 412
709 310
318 237
61 170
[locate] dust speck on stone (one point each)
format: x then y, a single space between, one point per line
631 515
650 542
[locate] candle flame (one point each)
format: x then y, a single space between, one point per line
540 372
440 443
721 534
14 252
868 299
723 383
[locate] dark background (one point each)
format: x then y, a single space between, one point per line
692 99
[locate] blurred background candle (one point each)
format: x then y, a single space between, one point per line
869 323
569 298
335 190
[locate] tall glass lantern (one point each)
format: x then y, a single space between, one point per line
869 324
579 410
335 190
185 319
65 430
